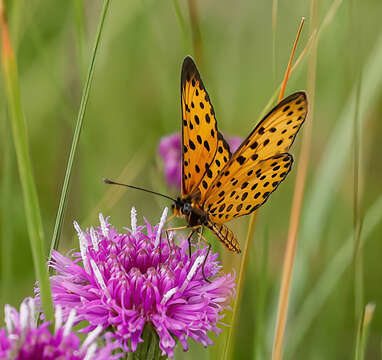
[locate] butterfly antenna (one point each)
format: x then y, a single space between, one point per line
108 181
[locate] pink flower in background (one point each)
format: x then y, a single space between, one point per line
122 281
24 340
170 152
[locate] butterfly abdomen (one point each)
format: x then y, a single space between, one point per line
226 236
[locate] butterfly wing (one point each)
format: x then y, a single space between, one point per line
259 165
248 190
205 152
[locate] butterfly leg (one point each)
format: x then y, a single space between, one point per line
173 229
194 230
189 241
169 239
204 263
180 228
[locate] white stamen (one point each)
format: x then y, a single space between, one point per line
24 315
199 260
104 228
32 312
94 238
91 351
168 295
58 318
99 278
69 323
8 310
92 336
160 226
133 221
83 245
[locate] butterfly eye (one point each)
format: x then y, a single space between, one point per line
186 210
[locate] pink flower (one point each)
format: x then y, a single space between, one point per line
24 340
122 281
170 151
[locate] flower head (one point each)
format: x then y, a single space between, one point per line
122 281
23 339
170 151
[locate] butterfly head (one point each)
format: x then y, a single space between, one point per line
181 207
192 212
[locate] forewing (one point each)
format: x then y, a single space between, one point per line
273 135
247 190
205 152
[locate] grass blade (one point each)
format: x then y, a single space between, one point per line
357 214
228 351
79 19
332 164
6 206
182 25
274 34
282 311
262 285
329 279
77 133
31 203
363 331
196 34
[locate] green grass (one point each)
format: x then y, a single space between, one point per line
134 101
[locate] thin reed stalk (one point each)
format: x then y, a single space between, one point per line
357 214
357 173
333 160
77 132
228 351
6 222
262 286
250 232
363 331
288 70
182 25
329 279
295 214
20 138
79 20
296 206
196 34
274 35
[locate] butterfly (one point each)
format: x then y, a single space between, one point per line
218 186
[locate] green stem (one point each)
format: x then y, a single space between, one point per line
229 348
77 133
181 24
20 138
149 349
79 18
262 285
6 220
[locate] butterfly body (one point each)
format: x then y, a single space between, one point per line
191 211
218 186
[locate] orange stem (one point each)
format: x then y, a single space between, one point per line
293 229
6 41
287 72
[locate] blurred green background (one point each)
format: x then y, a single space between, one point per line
134 101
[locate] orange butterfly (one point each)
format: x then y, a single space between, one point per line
218 186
